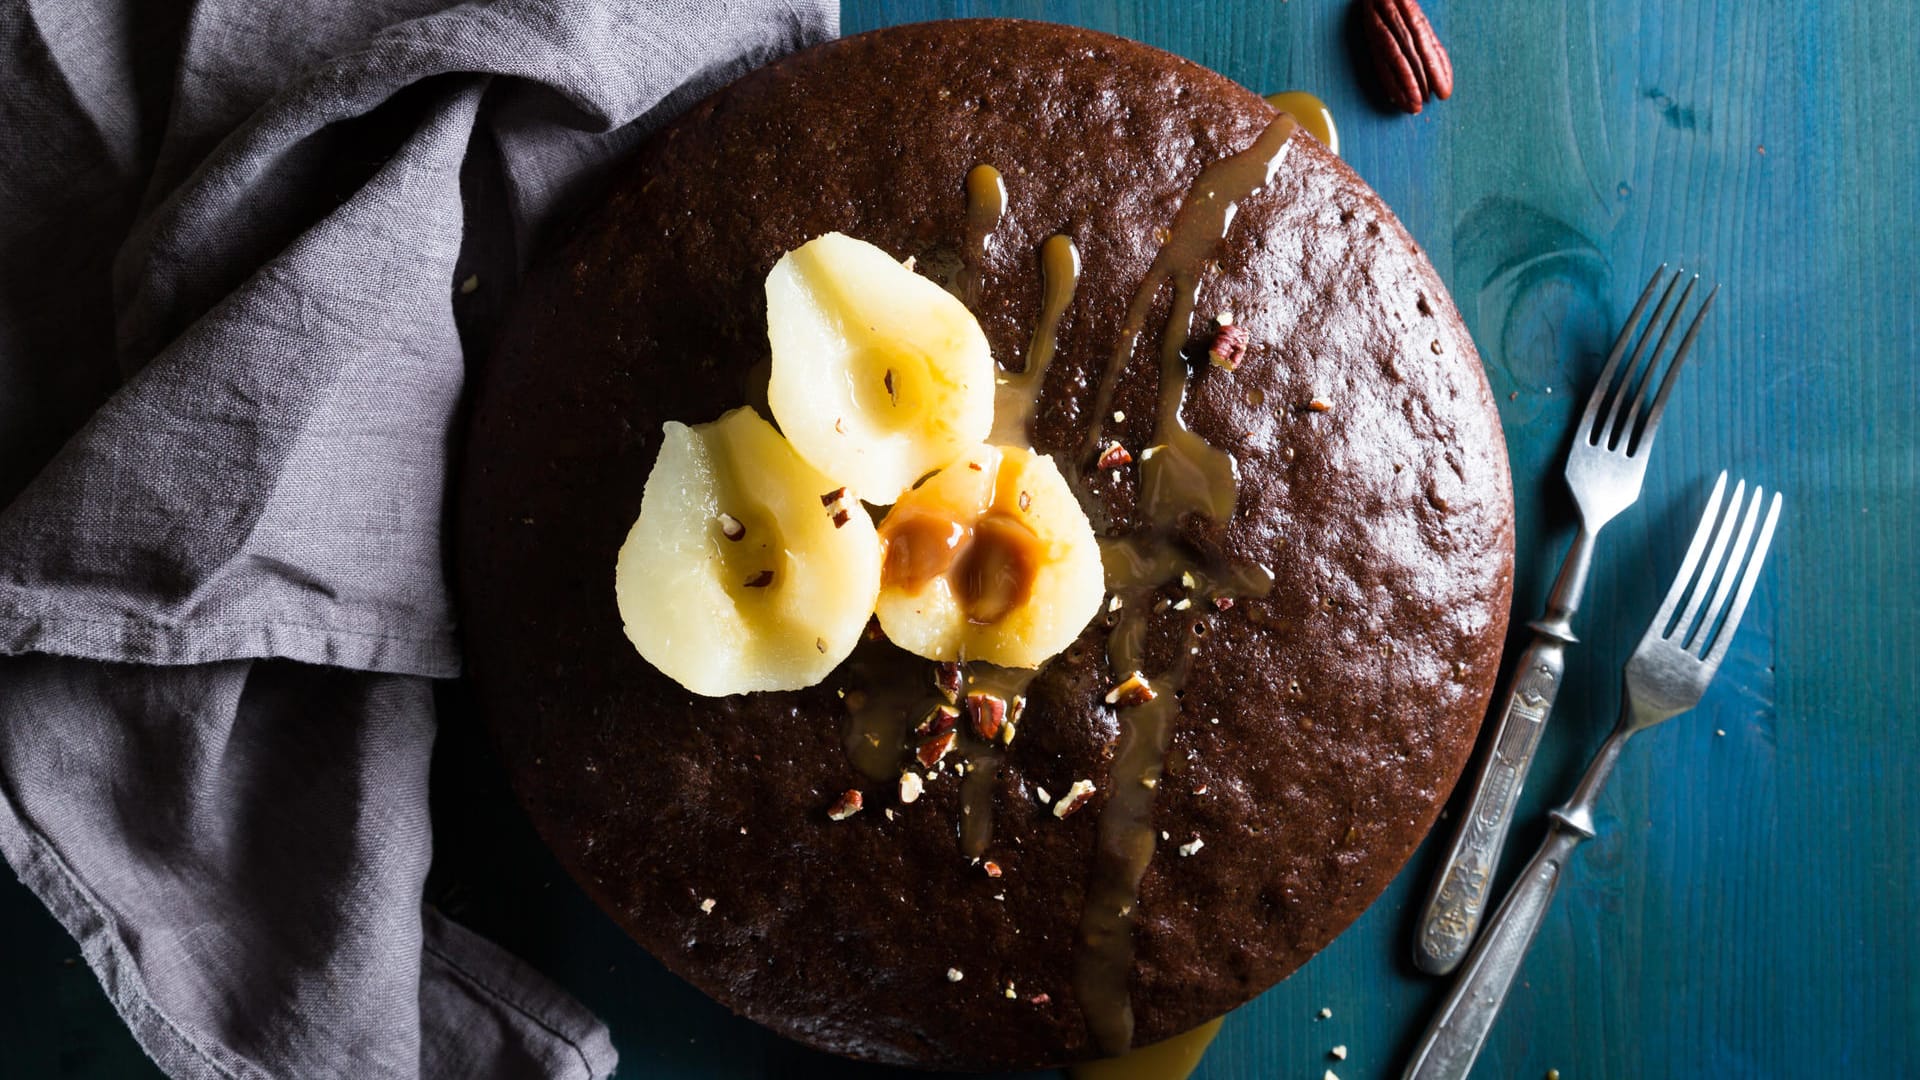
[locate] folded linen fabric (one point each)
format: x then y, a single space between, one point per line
234 239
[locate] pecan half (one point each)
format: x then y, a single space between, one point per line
1408 58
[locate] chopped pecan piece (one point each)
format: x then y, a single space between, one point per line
1229 349
987 712
1114 456
1074 799
911 786
939 720
948 679
847 805
934 749
1133 690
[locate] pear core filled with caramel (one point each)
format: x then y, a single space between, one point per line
990 558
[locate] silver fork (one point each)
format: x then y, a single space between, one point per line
1668 673
1604 471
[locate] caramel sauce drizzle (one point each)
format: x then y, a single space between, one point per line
889 689
1311 114
1171 1059
986 205
1180 474
1018 394
976 803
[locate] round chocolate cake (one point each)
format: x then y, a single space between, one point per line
1306 530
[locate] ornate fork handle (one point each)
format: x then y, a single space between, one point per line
1447 1050
1458 901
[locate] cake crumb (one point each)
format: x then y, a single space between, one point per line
1330 1076
1119 417
1042 793
1326 1013
706 906
1553 1074
955 974
468 286
1719 731
1339 1052
1192 847
1008 992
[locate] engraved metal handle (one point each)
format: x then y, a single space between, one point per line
1447 1049
1460 1029
1458 900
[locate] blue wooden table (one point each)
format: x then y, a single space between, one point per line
1749 908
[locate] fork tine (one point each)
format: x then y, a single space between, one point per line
1710 566
1728 572
1747 580
1628 422
1606 433
1654 368
1699 544
1645 437
1599 394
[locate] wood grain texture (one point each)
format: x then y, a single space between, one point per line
1749 907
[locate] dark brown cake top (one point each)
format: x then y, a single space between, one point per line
1303 733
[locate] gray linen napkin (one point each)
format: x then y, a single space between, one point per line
241 243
